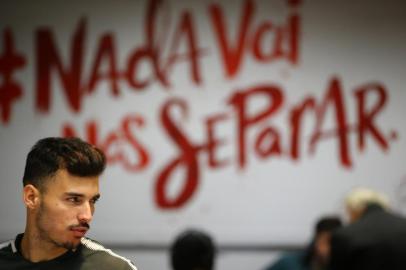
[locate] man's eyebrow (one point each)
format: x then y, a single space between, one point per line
74 194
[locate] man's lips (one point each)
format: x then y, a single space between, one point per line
79 231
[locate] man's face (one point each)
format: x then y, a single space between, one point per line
66 209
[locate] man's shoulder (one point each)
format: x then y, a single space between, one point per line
99 257
374 227
8 255
7 246
375 221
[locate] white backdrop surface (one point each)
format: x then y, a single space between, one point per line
232 62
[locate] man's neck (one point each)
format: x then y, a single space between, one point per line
35 249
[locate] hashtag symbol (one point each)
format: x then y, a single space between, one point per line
10 90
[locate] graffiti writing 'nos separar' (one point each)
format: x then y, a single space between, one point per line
266 144
250 41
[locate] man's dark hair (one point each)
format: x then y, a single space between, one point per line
193 250
51 154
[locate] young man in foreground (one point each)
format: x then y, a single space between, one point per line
61 187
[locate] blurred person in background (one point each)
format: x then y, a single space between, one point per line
316 255
193 250
375 238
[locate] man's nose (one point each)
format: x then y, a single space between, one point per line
86 213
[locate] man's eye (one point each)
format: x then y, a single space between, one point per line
93 201
74 199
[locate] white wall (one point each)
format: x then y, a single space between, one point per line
273 199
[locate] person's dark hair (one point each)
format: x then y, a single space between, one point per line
193 250
327 224
51 154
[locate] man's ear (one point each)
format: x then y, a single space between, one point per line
31 196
